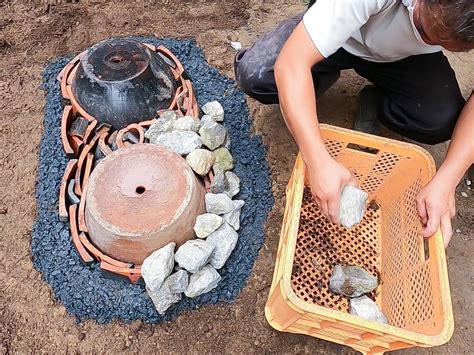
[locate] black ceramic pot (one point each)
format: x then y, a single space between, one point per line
121 81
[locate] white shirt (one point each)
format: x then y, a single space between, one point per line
375 30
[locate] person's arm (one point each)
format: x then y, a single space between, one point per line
298 105
326 26
436 202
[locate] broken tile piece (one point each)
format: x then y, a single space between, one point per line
352 281
202 281
366 308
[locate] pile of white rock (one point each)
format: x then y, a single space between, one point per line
205 145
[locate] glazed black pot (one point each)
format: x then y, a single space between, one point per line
121 81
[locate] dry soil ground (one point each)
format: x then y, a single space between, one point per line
30 319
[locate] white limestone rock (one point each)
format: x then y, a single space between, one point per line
352 206
233 217
212 134
163 298
202 281
194 254
215 110
207 118
352 281
224 240
218 203
366 308
206 224
178 282
157 267
180 142
201 161
187 123
162 125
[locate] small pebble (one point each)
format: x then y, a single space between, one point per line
458 231
463 194
468 182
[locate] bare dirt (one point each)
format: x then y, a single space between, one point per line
30 319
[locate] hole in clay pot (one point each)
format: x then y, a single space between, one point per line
116 60
140 189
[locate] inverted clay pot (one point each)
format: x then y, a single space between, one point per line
121 81
140 198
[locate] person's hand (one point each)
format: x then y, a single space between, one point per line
327 180
436 206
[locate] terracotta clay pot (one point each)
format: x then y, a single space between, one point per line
140 198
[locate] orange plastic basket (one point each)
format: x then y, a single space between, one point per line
414 291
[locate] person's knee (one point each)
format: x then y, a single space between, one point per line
242 72
439 120
425 120
255 77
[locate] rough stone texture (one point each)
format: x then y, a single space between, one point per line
207 118
352 281
163 298
162 124
233 217
201 161
157 267
180 142
187 123
53 253
178 282
366 308
206 224
193 254
215 110
202 281
218 203
352 206
224 240
212 134
224 160
234 184
169 115
220 183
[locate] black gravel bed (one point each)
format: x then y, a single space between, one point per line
83 289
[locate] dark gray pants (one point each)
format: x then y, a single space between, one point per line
421 97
